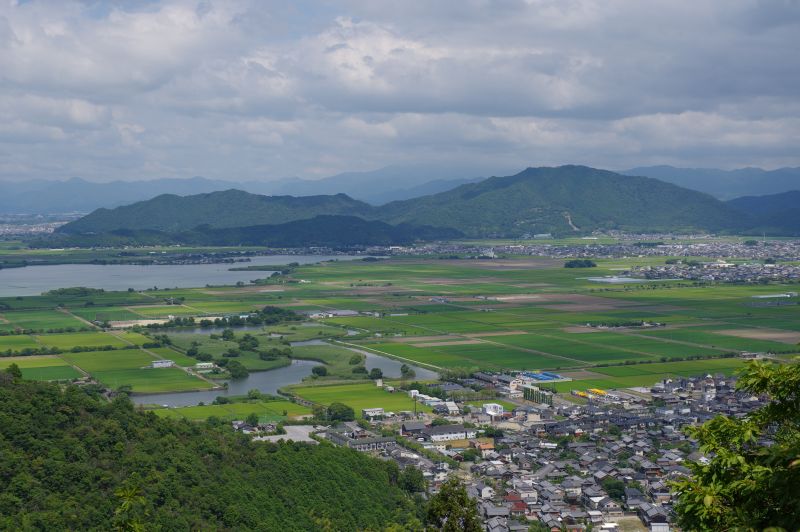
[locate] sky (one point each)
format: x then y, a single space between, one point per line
258 90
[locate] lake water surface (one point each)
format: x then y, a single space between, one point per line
34 280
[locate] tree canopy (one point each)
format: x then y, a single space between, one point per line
73 461
752 481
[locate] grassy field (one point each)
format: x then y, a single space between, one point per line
267 411
128 367
39 320
88 339
335 358
358 396
17 342
42 368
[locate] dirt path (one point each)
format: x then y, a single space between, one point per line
87 322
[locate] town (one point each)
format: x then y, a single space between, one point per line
601 461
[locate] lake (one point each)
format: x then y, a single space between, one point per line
34 280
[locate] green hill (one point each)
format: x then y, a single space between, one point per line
70 461
229 208
563 200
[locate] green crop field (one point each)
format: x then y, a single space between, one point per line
39 320
94 361
17 342
90 339
507 314
152 380
42 368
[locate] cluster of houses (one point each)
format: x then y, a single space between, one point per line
721 271
599 465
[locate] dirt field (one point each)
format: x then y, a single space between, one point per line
786 337
131 323
582 374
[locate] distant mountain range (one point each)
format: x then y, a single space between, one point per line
725 184
563 200
375 187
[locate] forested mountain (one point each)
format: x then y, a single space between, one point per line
229 208
725 184
327 230
70 461
774 213
565 199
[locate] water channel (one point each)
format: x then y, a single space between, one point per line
270 381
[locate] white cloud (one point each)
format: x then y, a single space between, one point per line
247 89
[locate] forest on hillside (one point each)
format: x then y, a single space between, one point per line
72 460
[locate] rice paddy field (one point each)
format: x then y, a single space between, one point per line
519 313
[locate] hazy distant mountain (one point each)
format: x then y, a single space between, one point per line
387 184
725 184
376 187
78 195
565 200
774 213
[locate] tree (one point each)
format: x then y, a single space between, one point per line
451 510
355 359
340 412
747 484
375 374
615 488
237 370
252 419
227 335
319 371
406 372
14 371
411 480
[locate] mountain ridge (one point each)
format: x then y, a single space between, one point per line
564 200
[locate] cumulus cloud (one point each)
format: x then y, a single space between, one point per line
246 89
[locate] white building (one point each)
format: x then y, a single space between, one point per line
493 409
449 433
162 364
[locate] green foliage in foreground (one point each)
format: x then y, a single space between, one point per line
753 480
69 461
